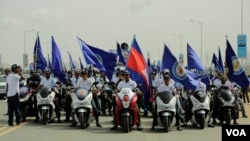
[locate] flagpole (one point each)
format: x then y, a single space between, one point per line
36 50
52 72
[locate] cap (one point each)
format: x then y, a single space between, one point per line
14 66
46 71
77 71
165 70
126 72
166 77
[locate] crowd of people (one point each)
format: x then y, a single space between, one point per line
161 81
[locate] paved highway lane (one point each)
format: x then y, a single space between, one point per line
62 132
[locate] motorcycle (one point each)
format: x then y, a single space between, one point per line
200 109
45 105
140 97
226 106
126 109
238 101
106 98
166 109
27 103
82 107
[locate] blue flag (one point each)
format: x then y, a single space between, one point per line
215 61
39 60
57 65
177 72
137 66
150 68
107 59
193 60
89 56
72 65
221 62
235 70
81 65
119 53
194 63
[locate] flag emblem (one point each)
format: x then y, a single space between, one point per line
236 66
178 71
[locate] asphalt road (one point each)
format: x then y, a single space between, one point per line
28 131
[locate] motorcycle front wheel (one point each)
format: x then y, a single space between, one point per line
81 120
166 124
45 118
201 118
126 124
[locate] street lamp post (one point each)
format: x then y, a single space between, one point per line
199 22
181 55
25 55
180 36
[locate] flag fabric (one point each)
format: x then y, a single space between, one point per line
215 61
137 66
72 65
177 72
220 62
39 60
150 68
235 70
89 56
57 64
107 59
194 63
119 53
81 65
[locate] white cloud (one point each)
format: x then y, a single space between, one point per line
11 22
44 14
137 5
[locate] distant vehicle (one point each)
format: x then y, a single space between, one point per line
2 86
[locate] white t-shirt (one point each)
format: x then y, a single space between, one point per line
48 83
115 79
75 80
12 81
162 80
86 84
156 82
163 87
130 84
218 84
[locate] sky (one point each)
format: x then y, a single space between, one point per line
102 23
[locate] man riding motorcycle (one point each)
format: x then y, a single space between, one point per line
166 86
127 83
86 83
33 82
49 82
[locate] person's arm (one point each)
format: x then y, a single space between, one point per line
21 74
7 89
